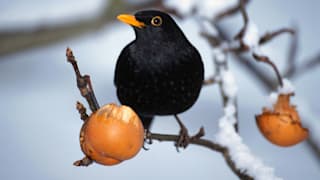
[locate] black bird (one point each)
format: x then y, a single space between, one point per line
160 72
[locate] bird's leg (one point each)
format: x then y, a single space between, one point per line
184 138
147 139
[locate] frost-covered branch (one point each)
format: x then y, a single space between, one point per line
293 69
227 134
208 144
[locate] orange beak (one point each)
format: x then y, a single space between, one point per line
131 20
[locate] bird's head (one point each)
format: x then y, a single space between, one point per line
152 25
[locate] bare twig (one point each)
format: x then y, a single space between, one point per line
292 54
306 66
83 83
86 161
231 11
314 147
247 63
210 81
82 111
271 35
212 40
267 60
245 17
312 63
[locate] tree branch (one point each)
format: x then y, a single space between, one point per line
196 139
230 11
268 83
263 78
207 144
267 60
305 67
20 39
271 35
83 83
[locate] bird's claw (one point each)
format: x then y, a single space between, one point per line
147 139
184 138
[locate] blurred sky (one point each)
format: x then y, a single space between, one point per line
39 124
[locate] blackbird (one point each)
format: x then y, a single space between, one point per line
160 72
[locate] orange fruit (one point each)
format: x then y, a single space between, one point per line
112 134
282 125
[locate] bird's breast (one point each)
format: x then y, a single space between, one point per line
160 82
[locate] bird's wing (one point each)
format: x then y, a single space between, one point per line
122 69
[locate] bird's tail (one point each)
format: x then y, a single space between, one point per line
146 121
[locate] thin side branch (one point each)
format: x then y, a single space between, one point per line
231 11
207 144
266 60
292 54
304 67
245 17
82 111
210 81
271 35
83 83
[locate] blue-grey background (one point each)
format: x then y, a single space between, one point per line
39 125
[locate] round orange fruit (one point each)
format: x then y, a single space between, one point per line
282 125
281 130
112 134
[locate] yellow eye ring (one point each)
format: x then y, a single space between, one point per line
156 21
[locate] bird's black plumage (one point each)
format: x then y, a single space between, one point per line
160 72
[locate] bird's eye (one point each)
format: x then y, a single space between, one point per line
156 21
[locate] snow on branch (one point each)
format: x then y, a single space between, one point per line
227 135
251 35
